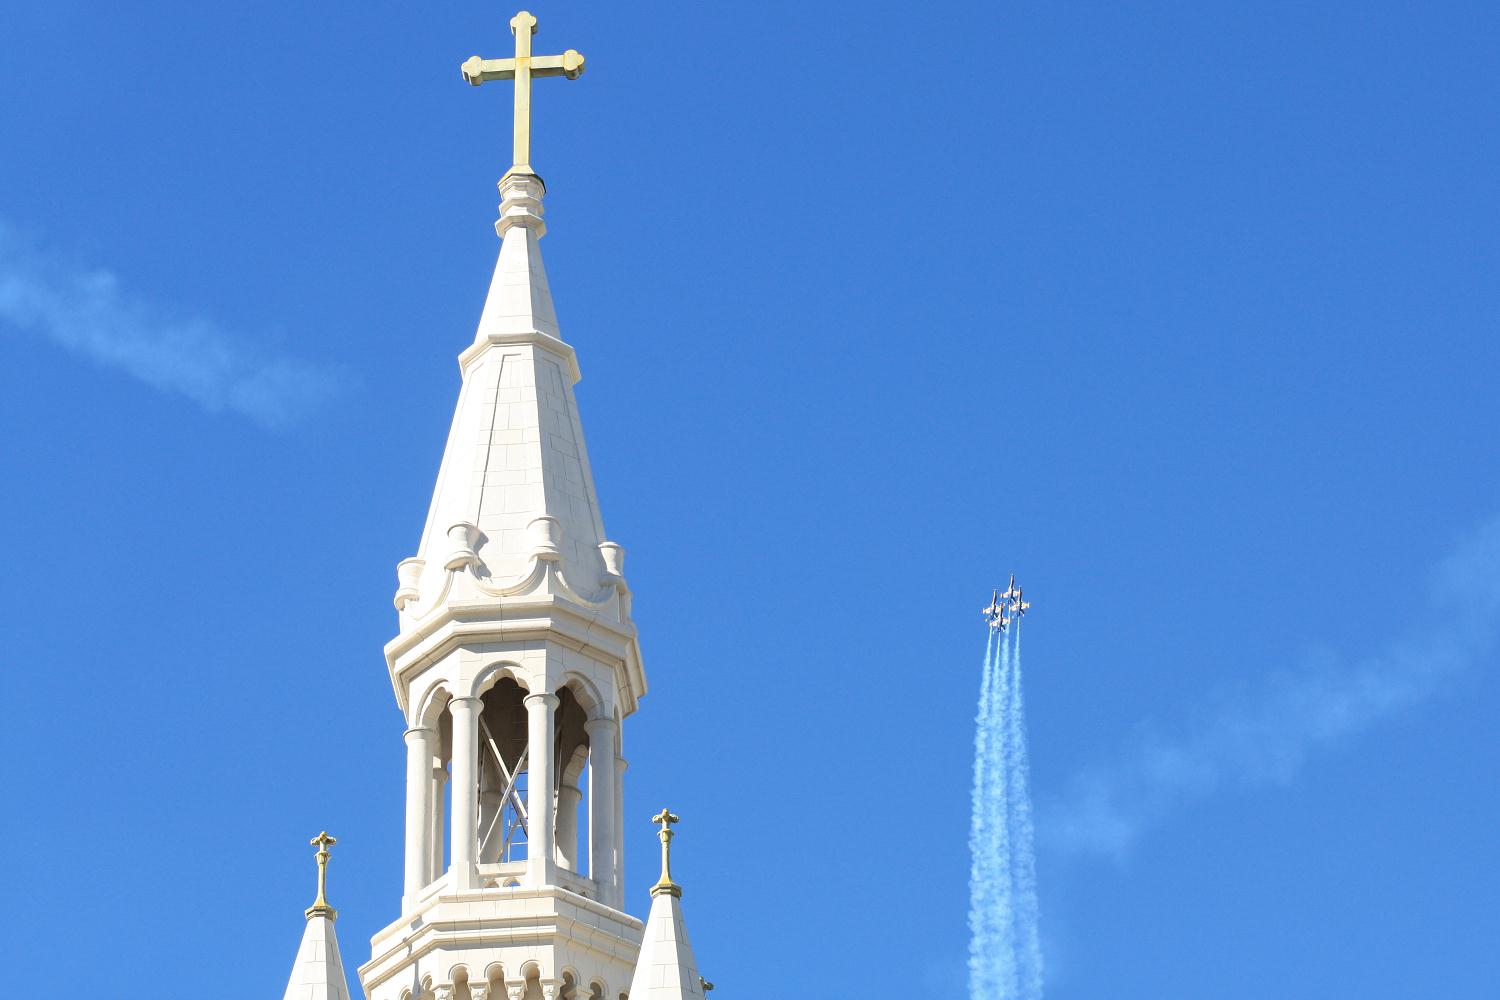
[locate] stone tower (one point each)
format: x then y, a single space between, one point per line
514 666
516 661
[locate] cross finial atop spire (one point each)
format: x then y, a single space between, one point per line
521 69
320 907
665 884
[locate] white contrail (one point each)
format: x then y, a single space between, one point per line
980 904
1266 738
1023 859
87 312
1002 847
1004 956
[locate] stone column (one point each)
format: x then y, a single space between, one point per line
539 789
603 778
619 898
568 797
439 818
461 851
490 787
418 810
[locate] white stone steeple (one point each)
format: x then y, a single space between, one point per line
514 512
666 969
318 972
515 662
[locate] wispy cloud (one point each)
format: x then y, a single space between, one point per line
1266 736
91 315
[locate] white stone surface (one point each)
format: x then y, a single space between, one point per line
503 938
513 580
515 472
318 973
514 521
666 969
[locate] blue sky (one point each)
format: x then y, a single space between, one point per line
1185 312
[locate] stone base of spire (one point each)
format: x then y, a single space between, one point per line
500 940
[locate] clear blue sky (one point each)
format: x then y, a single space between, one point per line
1185 312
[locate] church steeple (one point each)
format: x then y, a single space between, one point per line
516 659
666 969
318 972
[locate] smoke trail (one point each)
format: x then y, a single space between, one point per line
1023 839
979 827
988 905
1266 737
1000 849
89 313
1004 954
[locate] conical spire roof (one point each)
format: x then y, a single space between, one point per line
519 301
318 972
666 969
514 522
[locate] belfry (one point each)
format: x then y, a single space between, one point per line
515 666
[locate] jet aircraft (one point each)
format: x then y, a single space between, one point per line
997 613
1015 605
1007 607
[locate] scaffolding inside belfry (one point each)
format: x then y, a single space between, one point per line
503 831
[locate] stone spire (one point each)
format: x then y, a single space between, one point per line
515 518
666 969
516 662
318 972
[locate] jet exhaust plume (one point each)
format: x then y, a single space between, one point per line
1005 957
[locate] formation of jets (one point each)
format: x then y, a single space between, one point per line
1005 608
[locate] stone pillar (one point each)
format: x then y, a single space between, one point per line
619 899
490 787
418 810
540 709
439 818
569 795
461 851
604 776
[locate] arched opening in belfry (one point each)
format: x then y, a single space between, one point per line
442 795
494 978
503 752
572 780
484 769
533 982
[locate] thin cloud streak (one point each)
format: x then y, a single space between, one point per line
89 314
1266 738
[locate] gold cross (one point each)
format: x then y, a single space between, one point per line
665 884
521 69
320 905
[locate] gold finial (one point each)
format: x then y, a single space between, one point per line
521 69
665 884
320 907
